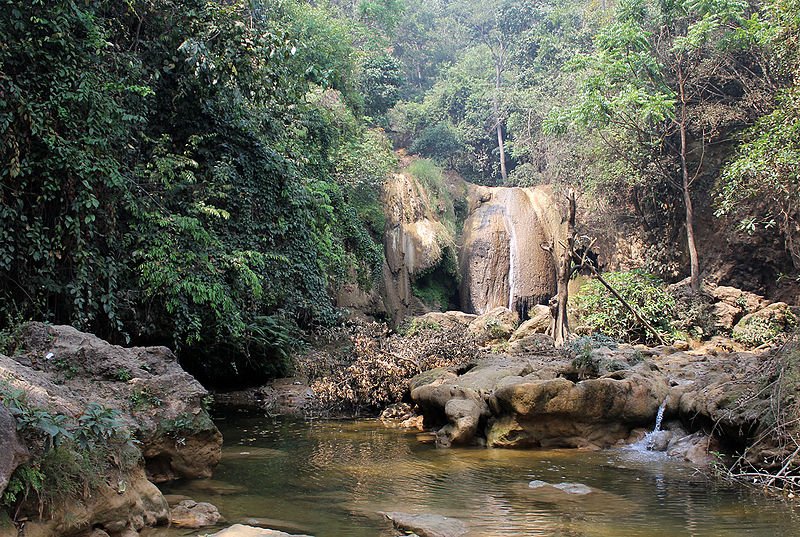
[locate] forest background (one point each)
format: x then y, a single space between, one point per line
206 174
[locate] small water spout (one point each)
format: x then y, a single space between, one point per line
654 441
660 416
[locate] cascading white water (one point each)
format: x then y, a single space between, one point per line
646 444
660 416
512 262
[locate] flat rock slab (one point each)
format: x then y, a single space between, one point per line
240 530
578 489
428 525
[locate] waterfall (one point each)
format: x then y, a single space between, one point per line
501 258
660 417
512 260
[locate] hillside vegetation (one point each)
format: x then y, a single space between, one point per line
207 174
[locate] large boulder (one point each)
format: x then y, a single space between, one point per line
12 451
457 405
538 323
497 324
62 369
744 300
68 374
118 508
731 304
561 413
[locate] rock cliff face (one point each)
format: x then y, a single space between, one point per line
501 262
414 242
501 258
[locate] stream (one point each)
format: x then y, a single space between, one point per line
331 478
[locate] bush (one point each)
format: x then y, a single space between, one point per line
69 456
439 141
598 311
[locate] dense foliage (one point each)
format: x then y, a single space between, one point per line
207 174
186 172
600 312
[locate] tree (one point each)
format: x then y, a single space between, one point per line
495 27
761 185
380 83
181 173
670 79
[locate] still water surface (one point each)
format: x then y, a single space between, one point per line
331 478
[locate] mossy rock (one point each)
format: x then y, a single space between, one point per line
767 325
429 377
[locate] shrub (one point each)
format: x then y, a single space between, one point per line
69 456
373 370
598 311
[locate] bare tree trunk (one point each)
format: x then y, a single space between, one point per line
559 326
498 82
694 263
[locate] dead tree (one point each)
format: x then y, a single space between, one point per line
569 262
559 324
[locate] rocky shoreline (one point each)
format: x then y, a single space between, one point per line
135 412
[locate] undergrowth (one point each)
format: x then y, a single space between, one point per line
69 456
772 458
372 370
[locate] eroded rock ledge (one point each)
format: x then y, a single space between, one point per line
525 399
62 372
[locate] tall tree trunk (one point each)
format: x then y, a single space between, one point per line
498 82
694 263
559 326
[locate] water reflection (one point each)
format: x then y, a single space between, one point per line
332 478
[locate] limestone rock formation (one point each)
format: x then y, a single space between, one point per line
535 399
457 405
765 325
497 324
561 413
501 260
119 514
414 241
62 371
